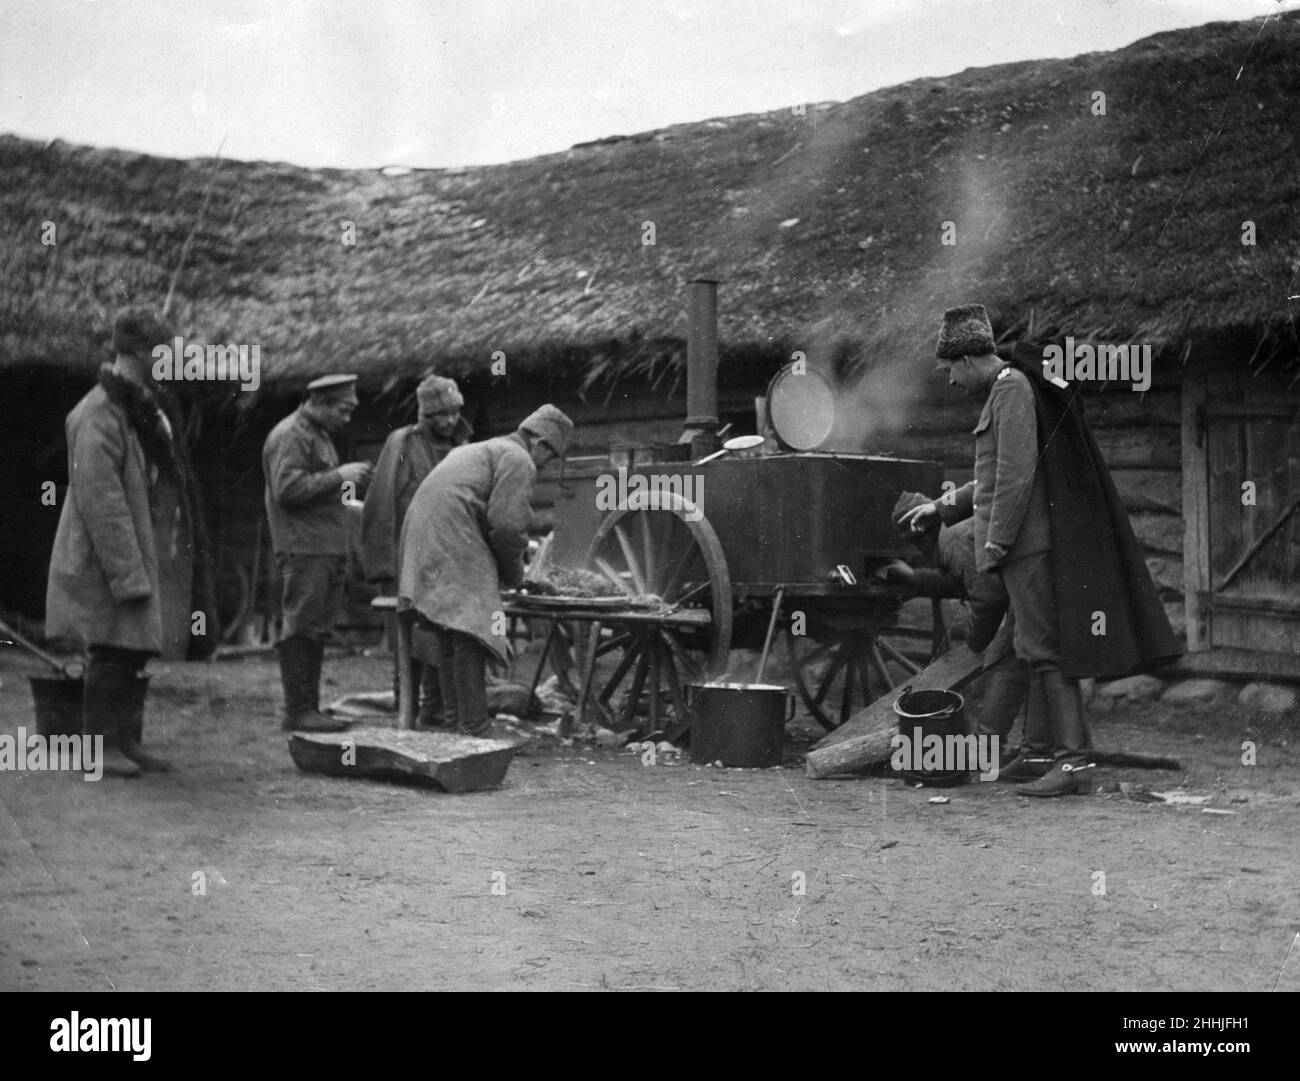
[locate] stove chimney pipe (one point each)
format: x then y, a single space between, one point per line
701 429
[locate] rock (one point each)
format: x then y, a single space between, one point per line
1196 692
507 698
1270 698
606 738
1131 689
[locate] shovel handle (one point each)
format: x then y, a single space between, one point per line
59 666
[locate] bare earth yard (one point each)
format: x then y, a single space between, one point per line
237 871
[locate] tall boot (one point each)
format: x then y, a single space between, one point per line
300 675
432 712
100 718
129 702
1072 770
1037 754
446 676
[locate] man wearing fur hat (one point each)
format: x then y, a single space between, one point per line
307 493
409 455
464 539
1049 521
132 502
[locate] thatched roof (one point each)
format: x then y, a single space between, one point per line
825 228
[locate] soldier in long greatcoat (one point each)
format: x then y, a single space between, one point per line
463 540
130 502
1049 521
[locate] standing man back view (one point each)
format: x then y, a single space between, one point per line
307 493
463 540
409 455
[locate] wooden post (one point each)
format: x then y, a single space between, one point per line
1196 511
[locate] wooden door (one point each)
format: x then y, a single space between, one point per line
1242 507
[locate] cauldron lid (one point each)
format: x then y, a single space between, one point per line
800 407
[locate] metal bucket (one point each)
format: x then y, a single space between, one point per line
58 705
938 713
58 702
739 724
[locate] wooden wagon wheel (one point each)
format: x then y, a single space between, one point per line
841 672
670 551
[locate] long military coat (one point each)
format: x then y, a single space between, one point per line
465 535
119 510
409 455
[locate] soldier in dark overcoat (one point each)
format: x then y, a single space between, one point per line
1048 519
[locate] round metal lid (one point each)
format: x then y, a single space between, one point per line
800 407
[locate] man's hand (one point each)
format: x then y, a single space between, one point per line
354 472
996 551
918 519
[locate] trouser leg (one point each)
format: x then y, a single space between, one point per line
1004 686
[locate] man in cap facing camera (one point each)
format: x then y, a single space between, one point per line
463 540
307 493
409 455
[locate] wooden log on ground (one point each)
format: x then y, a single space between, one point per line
451 762
867 737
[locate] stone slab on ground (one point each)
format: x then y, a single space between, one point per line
1132 688
1197 692
446 760
1271 698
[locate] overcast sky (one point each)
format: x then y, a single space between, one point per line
362 83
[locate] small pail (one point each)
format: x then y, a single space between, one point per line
58 705
739 724
935 713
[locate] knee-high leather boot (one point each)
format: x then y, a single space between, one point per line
1037 754
300 660
1072 771
432 711
130 704
102 713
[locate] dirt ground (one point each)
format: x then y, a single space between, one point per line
615 875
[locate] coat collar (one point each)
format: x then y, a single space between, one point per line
144 412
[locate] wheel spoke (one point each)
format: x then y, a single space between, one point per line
617 642
648 547
613 575
625 662
879 663
628 719
846 699
841 657
629 554
898 658
674 579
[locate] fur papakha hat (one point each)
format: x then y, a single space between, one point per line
137 331
966 332
550 426
438 394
